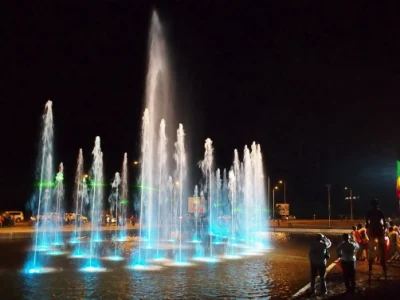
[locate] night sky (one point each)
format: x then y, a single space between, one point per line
316 84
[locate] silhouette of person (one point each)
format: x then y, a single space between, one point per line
376 226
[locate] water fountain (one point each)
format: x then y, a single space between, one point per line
124 199
162 160
116 210
40 209
58 216
229 209
81 200
96 205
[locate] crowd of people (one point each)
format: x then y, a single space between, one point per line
376 240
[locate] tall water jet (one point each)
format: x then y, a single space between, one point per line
248 194
158 106
172 203
232 196
45 183
206 167
158 82
225 194
124 196
146 180
114 200
218 205
162 208
180 158
80 199
196 213
259 193
59 205
96 201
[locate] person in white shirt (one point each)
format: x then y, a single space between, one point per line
318 255
346 251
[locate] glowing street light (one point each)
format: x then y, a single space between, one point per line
273 201
86 175
351 201
284 190
177 182
135 162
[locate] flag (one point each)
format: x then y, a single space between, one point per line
398 180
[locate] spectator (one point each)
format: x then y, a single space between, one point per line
355 234
318 255
376 226
393 239
363 241
346 252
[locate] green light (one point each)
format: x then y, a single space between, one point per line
59 177
398 169
45 184
146 187
96 184
124 201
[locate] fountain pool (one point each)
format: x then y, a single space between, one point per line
276 274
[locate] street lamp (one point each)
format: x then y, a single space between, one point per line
273 201
284 190
329 203
135 162
351 202
86 175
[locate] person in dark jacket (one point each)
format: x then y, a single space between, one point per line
318 255
376 227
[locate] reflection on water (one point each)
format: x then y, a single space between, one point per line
276 274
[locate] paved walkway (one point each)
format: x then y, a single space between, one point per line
377 287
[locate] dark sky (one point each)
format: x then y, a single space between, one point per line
315 82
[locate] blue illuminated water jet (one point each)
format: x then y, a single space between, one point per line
45 168
96 200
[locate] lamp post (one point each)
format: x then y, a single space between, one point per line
351 202
268 193
329 203
284 190
273 201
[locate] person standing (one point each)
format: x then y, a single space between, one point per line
376 227
318 255
346 252
393 246
364 241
